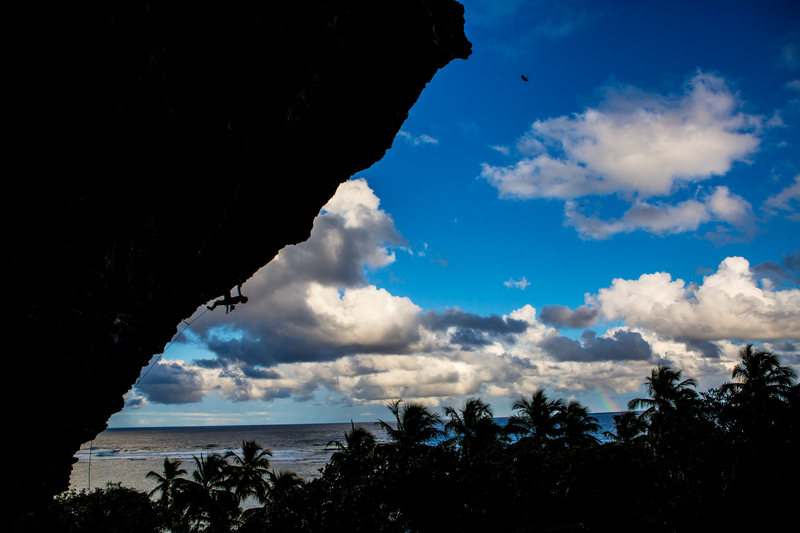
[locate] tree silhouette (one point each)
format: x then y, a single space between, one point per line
762 415
166 482
666 390
477 447
353 456
283 483
475 430
670 404
761 379
206 497
410 474
248 473
628 427
416 425
357 442
575 426
355 482
688 463
282 509
114 508
535 419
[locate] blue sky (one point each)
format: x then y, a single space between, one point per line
636 202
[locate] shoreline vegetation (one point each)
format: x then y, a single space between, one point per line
678 460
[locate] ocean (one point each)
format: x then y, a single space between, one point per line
127 455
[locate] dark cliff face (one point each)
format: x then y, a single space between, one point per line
162 153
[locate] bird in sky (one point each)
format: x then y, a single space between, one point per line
523 77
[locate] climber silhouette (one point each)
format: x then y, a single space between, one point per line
230 301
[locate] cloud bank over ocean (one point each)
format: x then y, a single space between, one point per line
314 322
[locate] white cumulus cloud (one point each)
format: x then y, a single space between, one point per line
314 325
728 304
664 218
635 143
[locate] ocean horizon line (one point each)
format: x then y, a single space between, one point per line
229 426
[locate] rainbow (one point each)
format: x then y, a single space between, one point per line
609 404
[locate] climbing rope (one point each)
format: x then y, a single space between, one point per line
89 481
170 343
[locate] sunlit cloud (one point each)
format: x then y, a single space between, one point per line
634 142
315 325
638 145
663 218
728 304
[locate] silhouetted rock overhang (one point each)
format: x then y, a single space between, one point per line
163 152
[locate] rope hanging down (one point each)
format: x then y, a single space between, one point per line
89 481
229 302
170 343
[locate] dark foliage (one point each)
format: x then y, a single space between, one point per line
113 508
720 460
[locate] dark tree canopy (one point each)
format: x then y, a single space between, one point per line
686 463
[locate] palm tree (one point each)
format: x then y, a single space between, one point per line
535 419
209 472
353 457
793 404
357 441
206 496
474 427
166 482
358 444
284 482
575 426
629 427
247 473
284 496
416 425
761 378
667 392
670 407
280 508
760 399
